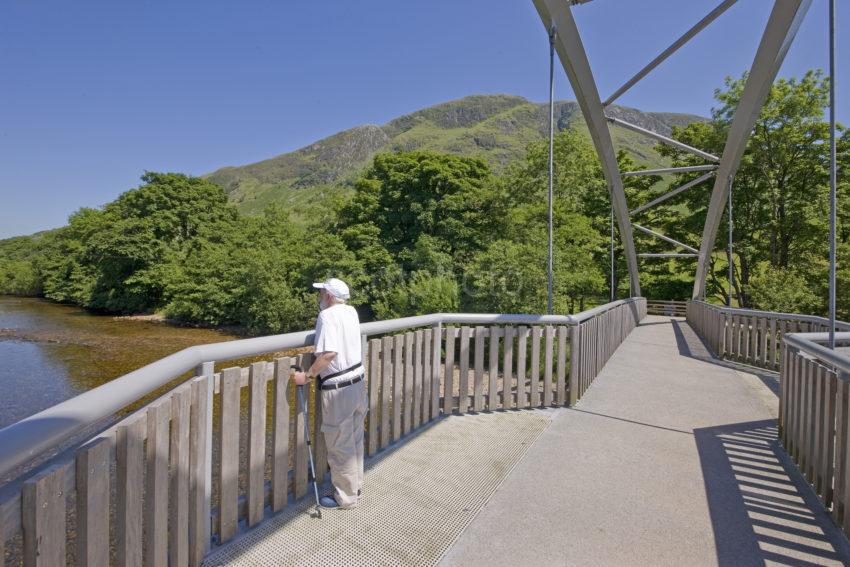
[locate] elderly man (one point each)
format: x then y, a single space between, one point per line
339 367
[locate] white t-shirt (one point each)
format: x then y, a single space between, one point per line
338 330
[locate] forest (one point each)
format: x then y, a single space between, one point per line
423 231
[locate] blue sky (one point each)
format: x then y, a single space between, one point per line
94 93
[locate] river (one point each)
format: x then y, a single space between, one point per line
51 352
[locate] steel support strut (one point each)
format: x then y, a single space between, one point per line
672 193
782 26
698 27
660 236
573 57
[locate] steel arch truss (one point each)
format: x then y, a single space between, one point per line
783 23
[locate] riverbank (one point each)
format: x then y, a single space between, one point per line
52 352
158 318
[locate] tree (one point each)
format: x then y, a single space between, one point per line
406 195
580 209
780 189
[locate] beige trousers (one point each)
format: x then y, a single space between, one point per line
343 412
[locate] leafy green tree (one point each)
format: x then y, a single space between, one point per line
780 190
19 274
510 275
782 289
423 293
581 205
250 274
409 194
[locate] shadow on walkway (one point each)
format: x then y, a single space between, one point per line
761 509
692 346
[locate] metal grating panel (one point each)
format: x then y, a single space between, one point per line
417 499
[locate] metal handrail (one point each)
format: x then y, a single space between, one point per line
810 343
774 315
33 435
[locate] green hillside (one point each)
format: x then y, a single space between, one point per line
494 127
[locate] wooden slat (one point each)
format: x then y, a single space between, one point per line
178 523
548 361
575 363
754 338
521 376
800 427
92 483
436 369
772 344
493 372
130 459
398 385
727 339
780 332
820 408
386 389
43 508
478 380
786 413
829 437
280 433
449 372
156 484
561 385
507 368
809 441
736 338
408 383
844 455
841 422
813 418
417 378
229 454
199 517
597 346
317 438
256 442
588 356
536 334
427 374
764 356
796 395
301 463
374 395
784 377
463 376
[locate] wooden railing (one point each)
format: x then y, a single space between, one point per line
226 449
814 416
750 336
666 308
814 388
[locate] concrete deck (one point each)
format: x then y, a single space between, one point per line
671 458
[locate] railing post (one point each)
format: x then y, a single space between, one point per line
435 369
208 369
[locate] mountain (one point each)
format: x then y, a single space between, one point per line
496 128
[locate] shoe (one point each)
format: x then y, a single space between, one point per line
359 493
328 502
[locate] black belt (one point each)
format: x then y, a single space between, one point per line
343 384
323 379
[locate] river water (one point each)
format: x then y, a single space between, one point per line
51 352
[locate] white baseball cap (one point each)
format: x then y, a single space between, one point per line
336 287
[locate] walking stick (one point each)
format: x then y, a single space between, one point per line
309 443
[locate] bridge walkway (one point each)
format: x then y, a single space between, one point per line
670 458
